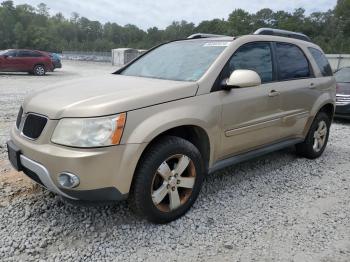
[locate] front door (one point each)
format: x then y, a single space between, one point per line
10 61
251 116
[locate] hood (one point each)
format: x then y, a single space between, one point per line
105 95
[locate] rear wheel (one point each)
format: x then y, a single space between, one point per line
317 138
39 70
167 180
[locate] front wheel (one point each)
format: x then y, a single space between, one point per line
167 180
317 138
39 70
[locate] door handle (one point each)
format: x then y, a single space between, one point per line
312 85
274 93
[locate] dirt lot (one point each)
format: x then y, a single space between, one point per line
275 208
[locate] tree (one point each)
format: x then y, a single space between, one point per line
43 9
215 26
25 26
240 23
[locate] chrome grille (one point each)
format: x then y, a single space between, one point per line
30 125
343 100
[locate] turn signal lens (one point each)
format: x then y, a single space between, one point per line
119 128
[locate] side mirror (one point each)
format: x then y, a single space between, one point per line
243 78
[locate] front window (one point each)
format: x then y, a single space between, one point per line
343 75
10 53
181 61
256 57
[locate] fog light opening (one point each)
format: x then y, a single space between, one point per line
68 180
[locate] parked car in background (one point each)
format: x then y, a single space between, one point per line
342 77
23 60
56 60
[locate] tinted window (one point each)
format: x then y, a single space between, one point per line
343 75
321 61
36 54
256 57
11 53
25 53
292 62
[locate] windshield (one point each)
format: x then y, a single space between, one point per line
343 75
181 61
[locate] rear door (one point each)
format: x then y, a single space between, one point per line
296 81
251 116
27 59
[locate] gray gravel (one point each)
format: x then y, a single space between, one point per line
275 208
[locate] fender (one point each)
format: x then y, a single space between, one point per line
324 99
144 125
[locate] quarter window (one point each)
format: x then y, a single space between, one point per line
292 63
256 57
321 61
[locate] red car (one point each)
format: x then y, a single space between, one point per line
21 60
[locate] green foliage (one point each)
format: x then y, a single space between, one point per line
25 26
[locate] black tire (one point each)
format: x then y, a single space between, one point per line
140 198
39 70
307 148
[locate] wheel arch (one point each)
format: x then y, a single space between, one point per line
328 107
192 133
37 64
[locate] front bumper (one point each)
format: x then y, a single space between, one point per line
105 173
342 111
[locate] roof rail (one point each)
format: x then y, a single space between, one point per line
201 35
285 33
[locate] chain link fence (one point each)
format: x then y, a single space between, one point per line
338 61
87 56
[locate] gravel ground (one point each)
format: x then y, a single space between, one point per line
274 208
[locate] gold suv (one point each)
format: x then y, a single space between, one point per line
151 131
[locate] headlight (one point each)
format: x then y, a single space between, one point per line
89 132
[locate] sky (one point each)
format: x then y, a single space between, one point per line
149 13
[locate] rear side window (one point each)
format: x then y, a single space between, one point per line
36 54
256 57
292 63
26 53
321 61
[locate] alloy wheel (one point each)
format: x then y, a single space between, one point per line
173 183
320 136
39 70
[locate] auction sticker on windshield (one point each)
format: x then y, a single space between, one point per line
217 44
